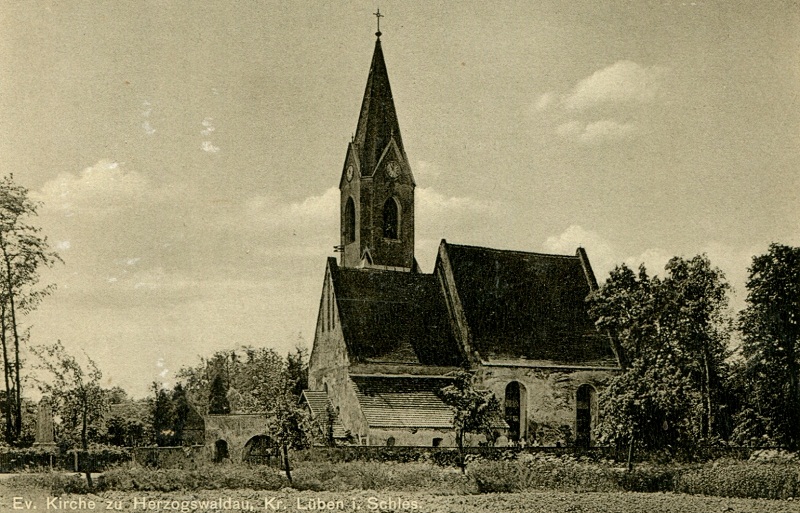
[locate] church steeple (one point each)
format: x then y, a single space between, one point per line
377 123
377 187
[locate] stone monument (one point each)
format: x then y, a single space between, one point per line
44 424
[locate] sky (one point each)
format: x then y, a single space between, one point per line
187 155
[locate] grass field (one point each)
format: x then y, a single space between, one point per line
366 501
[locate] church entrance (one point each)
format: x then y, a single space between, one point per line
585 405
514 409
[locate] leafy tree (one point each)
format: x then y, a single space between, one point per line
218 397
290 427
170 413
671 336
252 379
297 370
770 326
23 250
474 410
75 391
700 324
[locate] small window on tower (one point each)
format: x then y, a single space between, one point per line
391 216
350 221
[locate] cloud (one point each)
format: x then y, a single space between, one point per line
209 147
545 101
208 123
208 129
148 109
96 189
623 81
425 169
271 210
596 132
432 204
600 253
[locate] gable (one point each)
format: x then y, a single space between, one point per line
520 305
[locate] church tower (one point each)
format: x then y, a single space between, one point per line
377 187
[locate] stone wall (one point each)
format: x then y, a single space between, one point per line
235 430
549 398
406 437
328 366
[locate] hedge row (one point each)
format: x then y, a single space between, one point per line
96 459
770 480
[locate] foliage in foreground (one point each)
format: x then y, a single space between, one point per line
770 326
670 336
769 479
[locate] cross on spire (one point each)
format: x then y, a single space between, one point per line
378 15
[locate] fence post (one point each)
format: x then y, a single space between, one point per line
75 460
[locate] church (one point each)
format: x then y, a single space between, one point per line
389 337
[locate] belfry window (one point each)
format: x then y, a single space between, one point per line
349 221
391 218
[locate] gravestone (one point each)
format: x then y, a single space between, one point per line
44 424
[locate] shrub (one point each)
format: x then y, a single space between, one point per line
55 482
372 475
745 480
211 477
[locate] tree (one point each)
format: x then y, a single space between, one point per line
770 326
289 425
75 392
474 410
671 338
23 250
252 379
218 397
697 316
297 370
170 412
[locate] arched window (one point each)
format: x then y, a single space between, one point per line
515 409
349 221
391 218
585 406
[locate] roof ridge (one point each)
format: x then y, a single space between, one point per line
515 251
378 270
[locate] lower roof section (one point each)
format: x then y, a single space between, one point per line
403 401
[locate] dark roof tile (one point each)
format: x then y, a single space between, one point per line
527 305
394 316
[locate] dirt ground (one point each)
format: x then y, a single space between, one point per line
292 501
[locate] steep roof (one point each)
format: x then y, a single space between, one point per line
522 305
408 402
318 403
377 122
393 316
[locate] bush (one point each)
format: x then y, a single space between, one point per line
567 473
55 482
372 475
211 477
549 473
744 480
14 459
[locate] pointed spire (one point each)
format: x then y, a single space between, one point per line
377 123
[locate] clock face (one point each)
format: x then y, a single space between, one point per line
349 172
393 170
